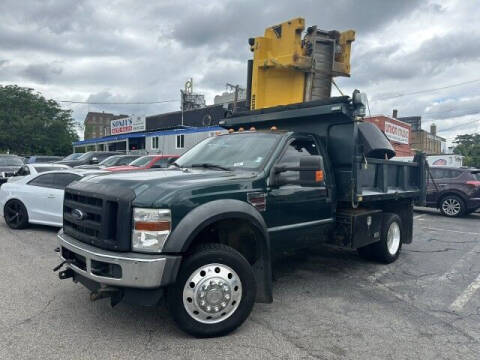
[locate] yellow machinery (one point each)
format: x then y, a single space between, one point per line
287 69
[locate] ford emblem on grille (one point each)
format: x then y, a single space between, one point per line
78 214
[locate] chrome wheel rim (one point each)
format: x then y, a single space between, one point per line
212 293
393 238
451 207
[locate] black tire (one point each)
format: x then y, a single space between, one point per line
452 206
380 250
15 215
205 255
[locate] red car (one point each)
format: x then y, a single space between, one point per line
146 162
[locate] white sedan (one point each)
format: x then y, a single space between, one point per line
35 169
38 199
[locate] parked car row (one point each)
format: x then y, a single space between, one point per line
33 193
37 199
88 158
114 160
454 191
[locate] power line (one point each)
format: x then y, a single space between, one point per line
428 90
117 103
459 125
474 111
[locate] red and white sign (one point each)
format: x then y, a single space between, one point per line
397 133
127 125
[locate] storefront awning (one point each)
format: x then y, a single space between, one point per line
114 138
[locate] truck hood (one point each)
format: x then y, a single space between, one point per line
153 187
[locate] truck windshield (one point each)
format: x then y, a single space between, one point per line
236 151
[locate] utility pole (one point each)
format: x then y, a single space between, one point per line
236 89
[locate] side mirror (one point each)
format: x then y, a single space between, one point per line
171 160
94 160
310 173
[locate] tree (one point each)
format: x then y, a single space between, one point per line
468 145
31 124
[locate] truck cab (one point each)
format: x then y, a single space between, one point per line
201 233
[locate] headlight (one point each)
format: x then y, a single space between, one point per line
151 228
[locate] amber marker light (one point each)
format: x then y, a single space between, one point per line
152 226
319 176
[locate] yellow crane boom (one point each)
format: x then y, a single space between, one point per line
290 69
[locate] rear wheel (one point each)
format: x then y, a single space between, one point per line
214 292
15 214
387 250
452 206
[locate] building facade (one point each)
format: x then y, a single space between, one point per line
397 132
178 141
427 142
97 124
170 142
422 140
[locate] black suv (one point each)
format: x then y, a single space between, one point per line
455 191
89 158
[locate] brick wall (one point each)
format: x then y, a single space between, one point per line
401 149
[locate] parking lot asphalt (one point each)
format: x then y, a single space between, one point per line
328 304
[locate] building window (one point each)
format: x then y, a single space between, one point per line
155 142
180 141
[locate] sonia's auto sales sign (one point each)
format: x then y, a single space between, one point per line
127 125
397 133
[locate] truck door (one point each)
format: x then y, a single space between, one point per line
296 214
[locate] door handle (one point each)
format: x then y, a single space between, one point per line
51 196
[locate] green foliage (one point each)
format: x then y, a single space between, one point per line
468 145
31 124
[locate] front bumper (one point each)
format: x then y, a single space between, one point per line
132 270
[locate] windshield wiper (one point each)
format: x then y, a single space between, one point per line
210 166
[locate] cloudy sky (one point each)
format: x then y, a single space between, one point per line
144 51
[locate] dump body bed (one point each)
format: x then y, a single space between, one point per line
357 150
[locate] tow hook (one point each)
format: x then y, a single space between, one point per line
65 274
56 268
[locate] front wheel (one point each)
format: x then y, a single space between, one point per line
214 292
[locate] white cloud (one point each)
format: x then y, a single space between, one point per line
145 51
